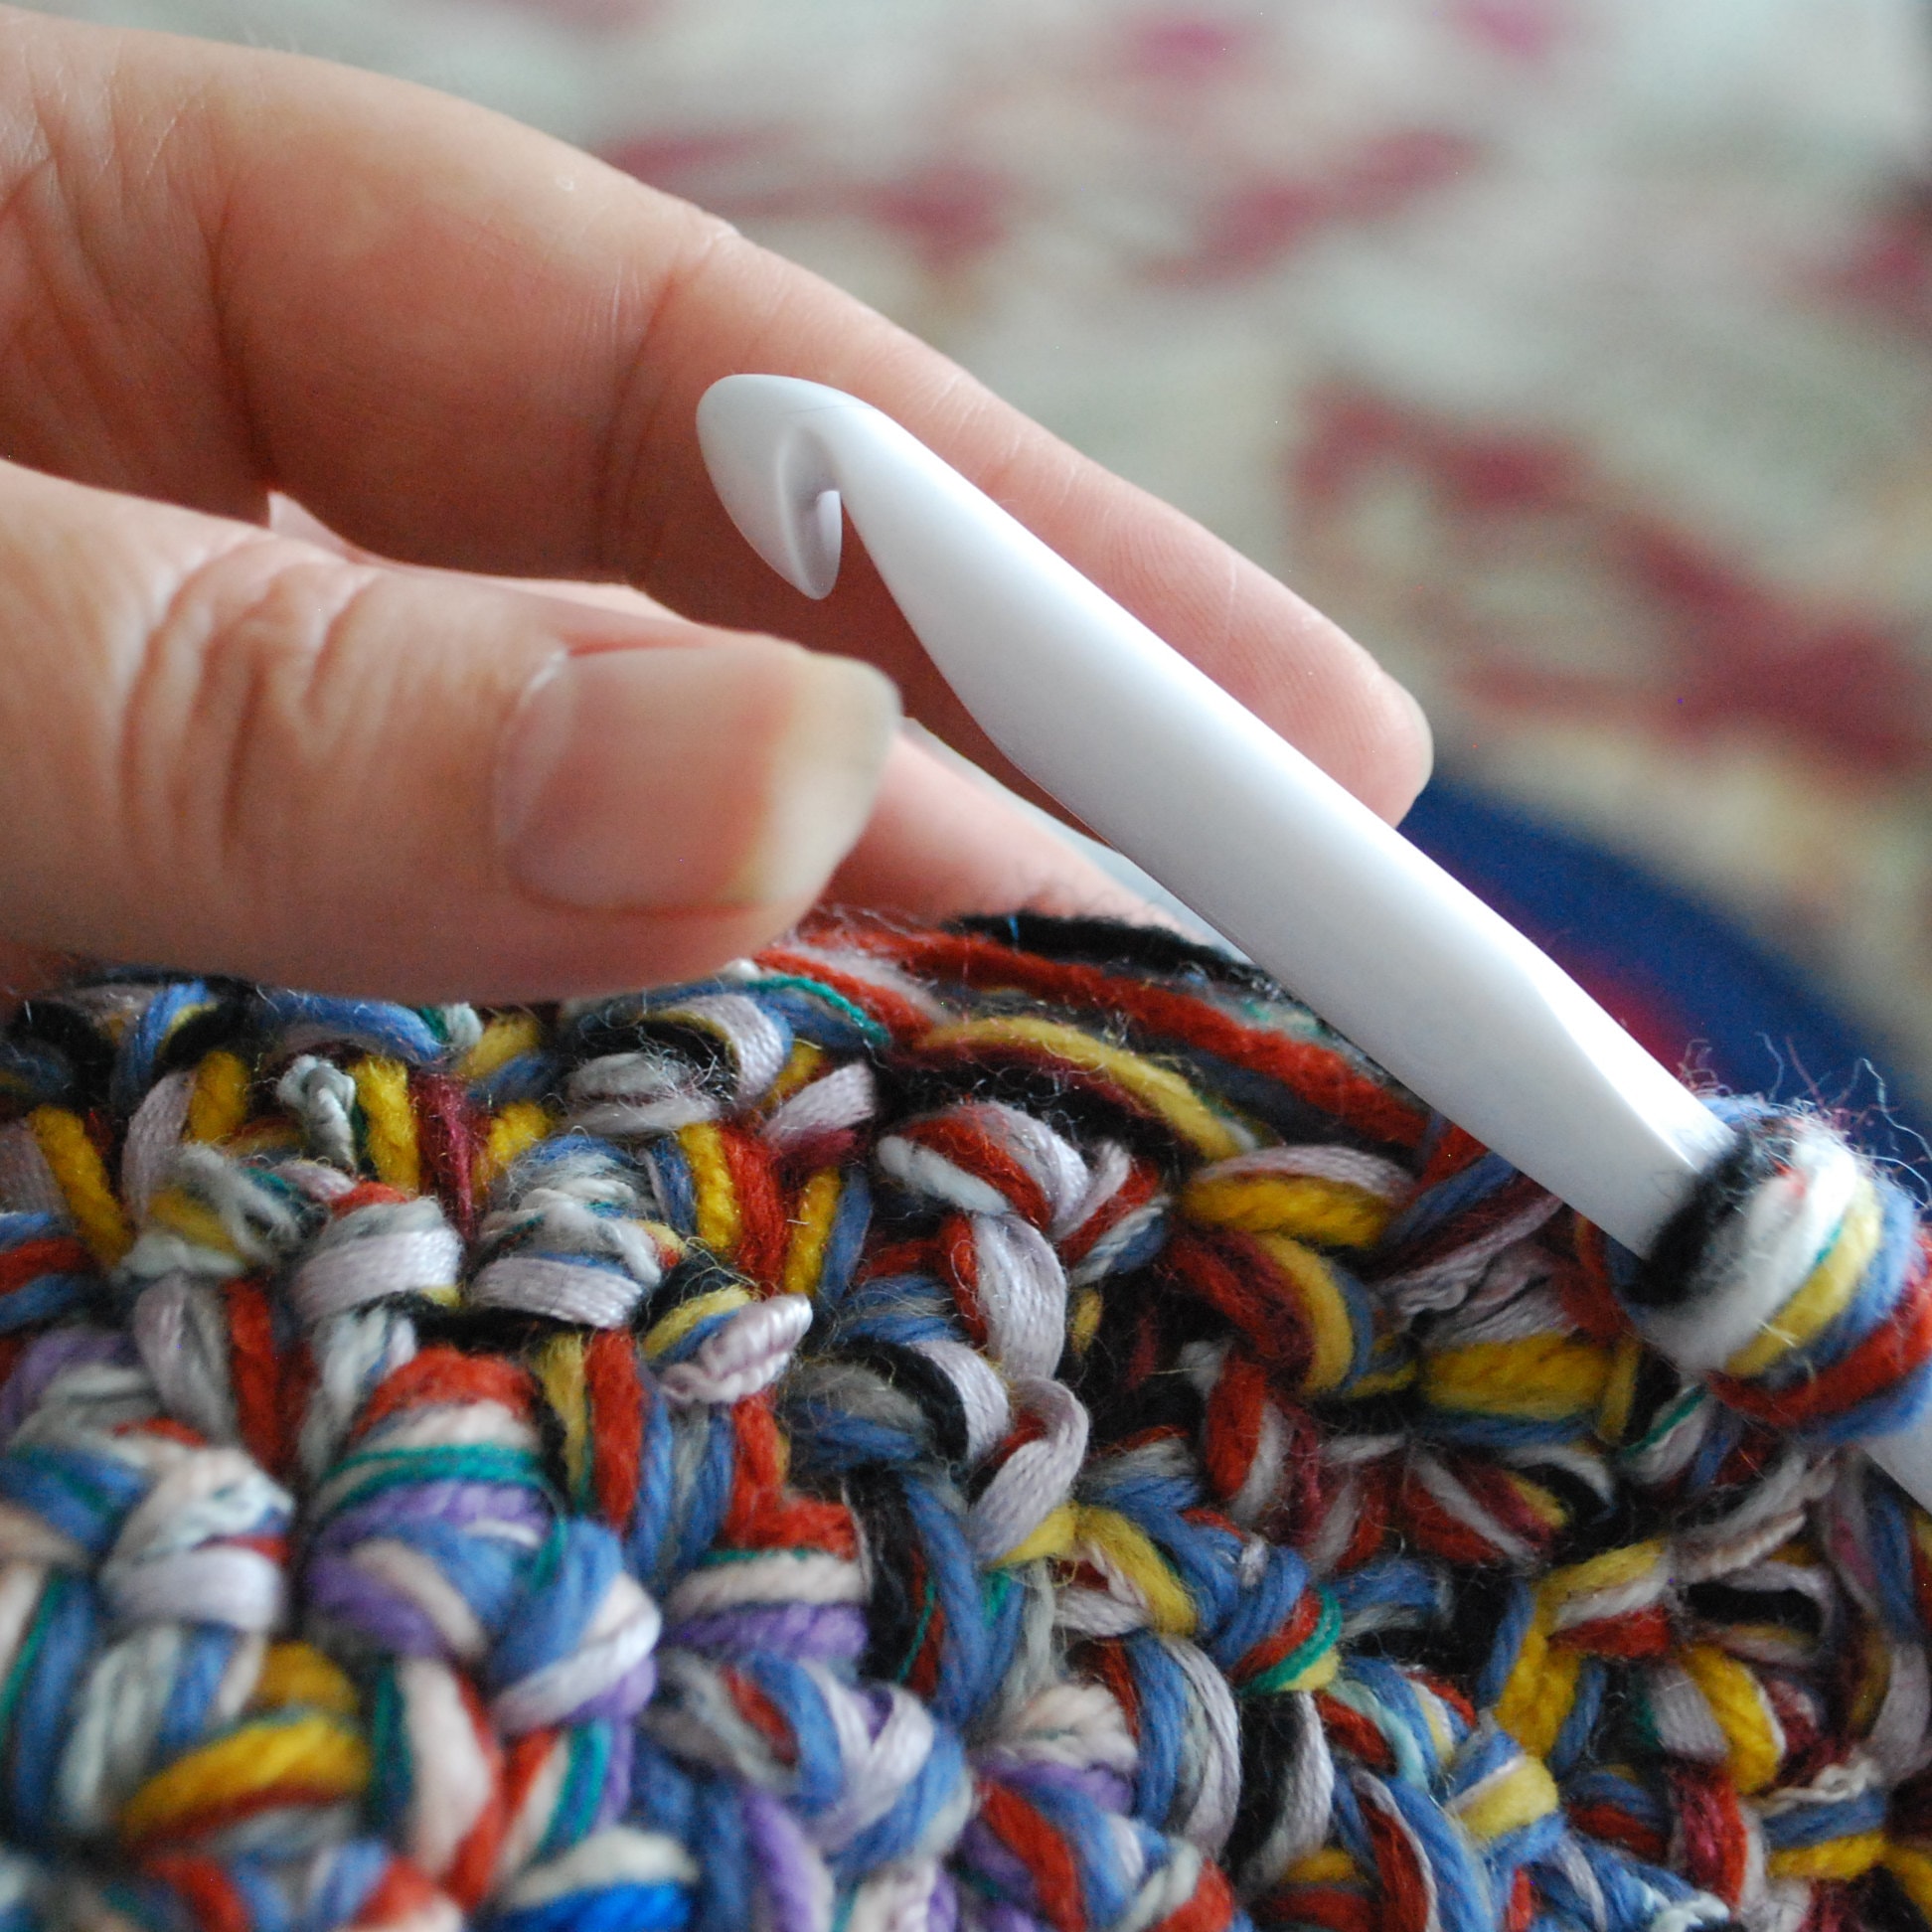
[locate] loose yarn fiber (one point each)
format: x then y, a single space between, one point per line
974 1430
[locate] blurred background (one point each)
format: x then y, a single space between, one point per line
1576 353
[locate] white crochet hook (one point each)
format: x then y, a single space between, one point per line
1161 762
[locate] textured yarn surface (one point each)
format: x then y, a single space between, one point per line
1013 1427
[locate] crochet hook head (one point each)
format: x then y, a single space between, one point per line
1165 765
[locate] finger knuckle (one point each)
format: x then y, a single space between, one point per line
236 724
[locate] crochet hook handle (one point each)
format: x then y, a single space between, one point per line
1165 765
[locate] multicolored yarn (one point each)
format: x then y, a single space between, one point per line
976 1430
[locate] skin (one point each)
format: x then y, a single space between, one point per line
246 737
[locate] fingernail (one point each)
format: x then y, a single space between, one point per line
729 775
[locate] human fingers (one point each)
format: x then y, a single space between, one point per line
232 752
462 343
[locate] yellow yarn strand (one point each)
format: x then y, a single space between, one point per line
517 1129
1329 1212
383 1093
1612 1569
75 1162
504 1038
1540 1689
1837 1859
1391 1375
194 1220
1321 1300
1318 1674
817 1202
1083 1319
1541 1377
1619 1389
719 1224
1515 1798
1157 1088
803 1062
298 1674
1052 1537
1826 1290
1735 1700
217 1102
313 1756
668 1333
1331 1865
1128 1550
560 1373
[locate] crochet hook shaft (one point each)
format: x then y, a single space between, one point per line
1163 763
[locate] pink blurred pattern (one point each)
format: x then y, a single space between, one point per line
1577 353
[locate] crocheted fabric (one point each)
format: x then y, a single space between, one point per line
998 1429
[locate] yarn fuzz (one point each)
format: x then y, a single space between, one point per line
990 1430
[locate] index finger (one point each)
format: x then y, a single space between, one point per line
462 343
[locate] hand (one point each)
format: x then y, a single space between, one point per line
365 766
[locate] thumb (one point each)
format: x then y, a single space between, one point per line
229 750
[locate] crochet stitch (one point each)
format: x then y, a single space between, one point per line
1006 1427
